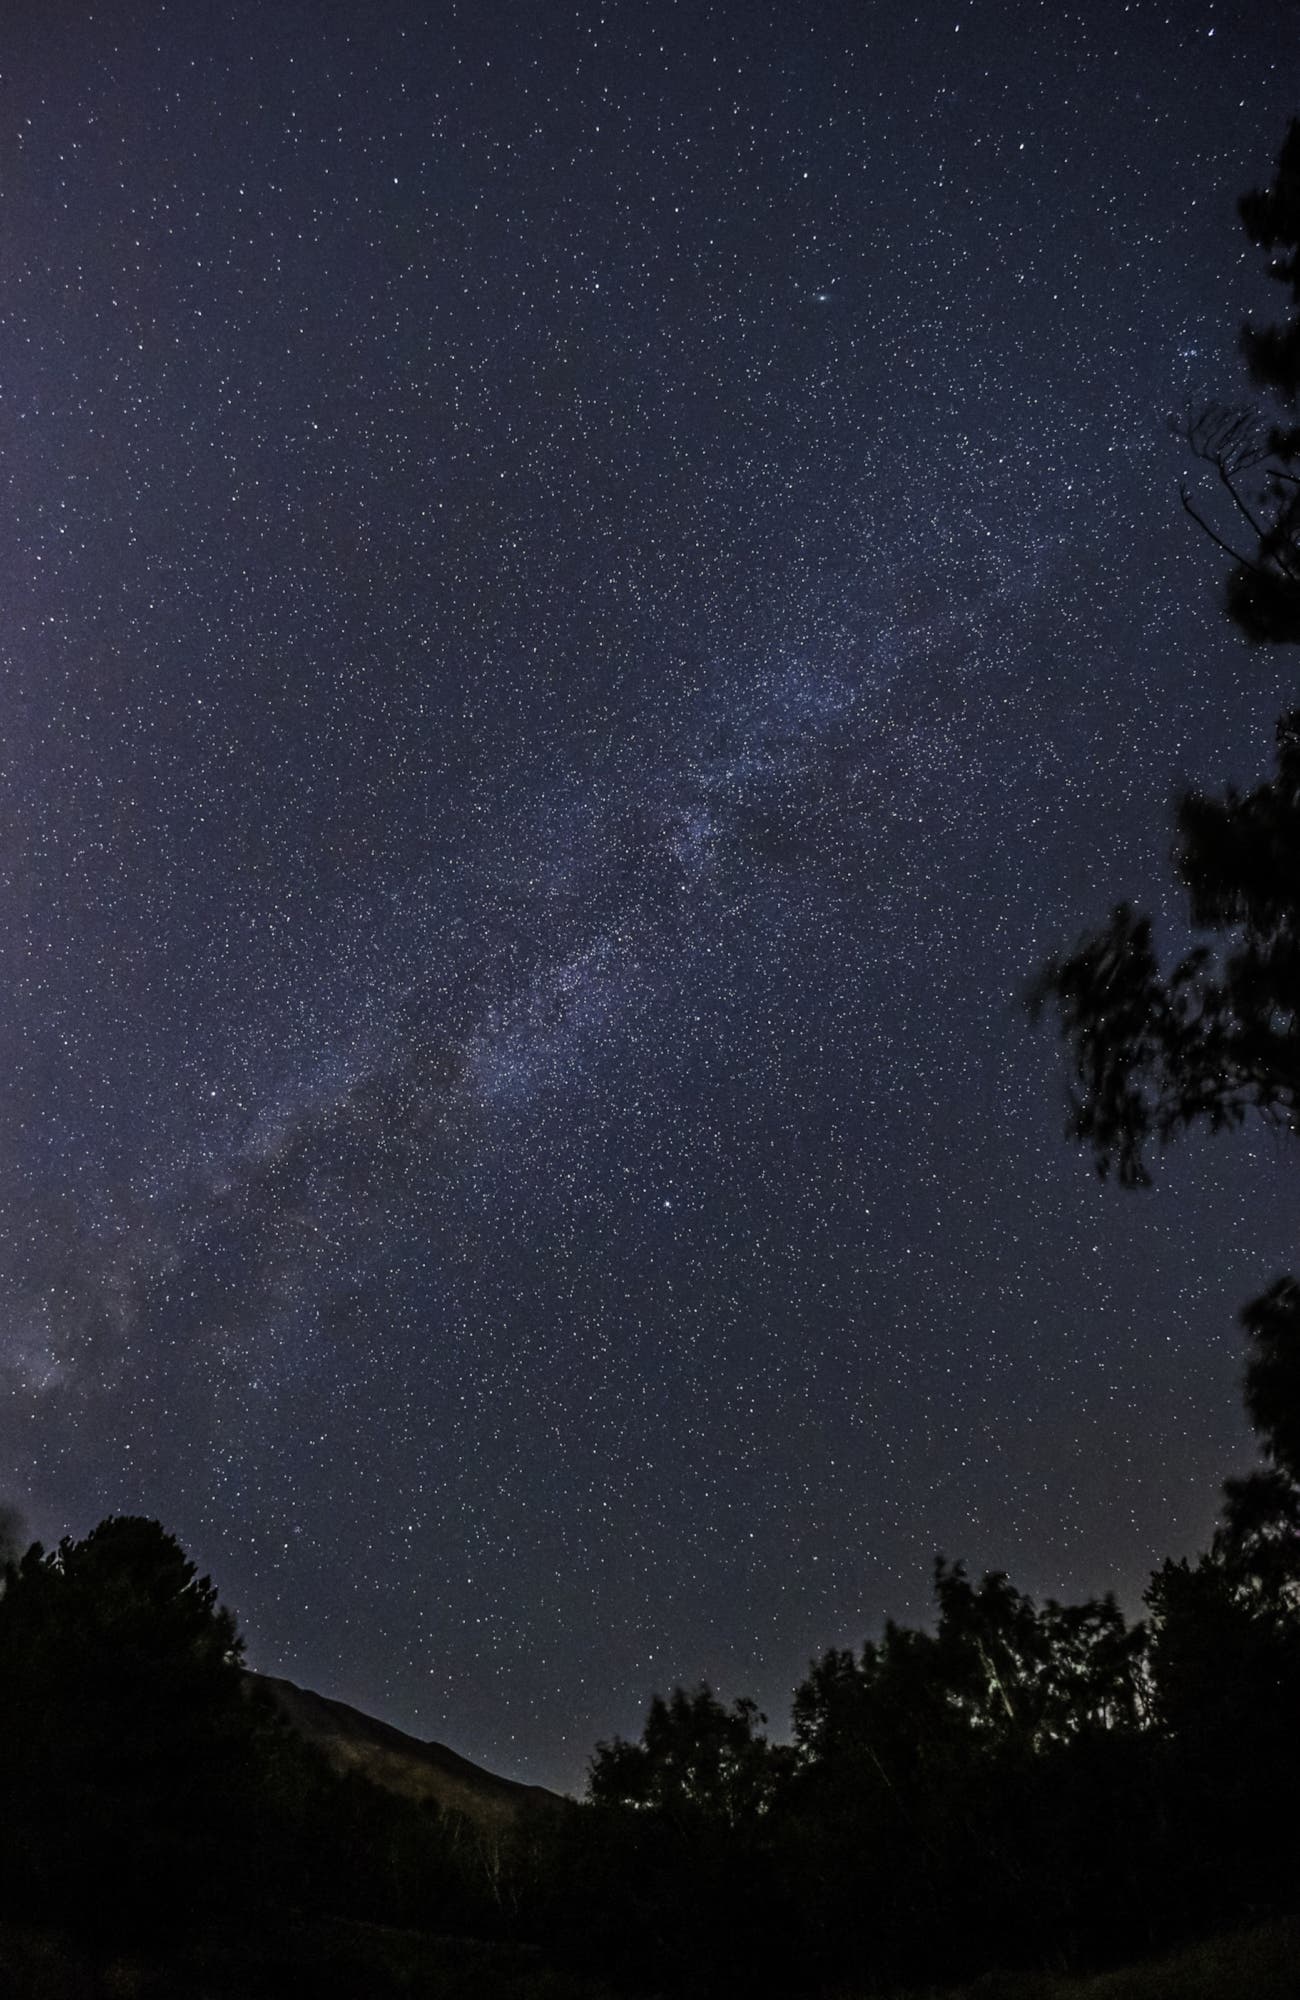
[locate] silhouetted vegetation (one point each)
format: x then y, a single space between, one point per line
150 1795
1023 1785
1216 1038
1211 1042
1035 1786
1256 491
1026 1785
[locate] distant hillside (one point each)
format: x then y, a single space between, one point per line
353 1741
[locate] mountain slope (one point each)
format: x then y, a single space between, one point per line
353 1741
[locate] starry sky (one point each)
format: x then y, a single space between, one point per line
586 589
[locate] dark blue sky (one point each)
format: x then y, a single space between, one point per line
586 593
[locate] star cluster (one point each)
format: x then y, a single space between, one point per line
587 590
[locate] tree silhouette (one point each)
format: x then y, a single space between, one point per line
1225 1683
1217 1036
1271 219
1210 1042
998 1670
973 1775
128 1754
151 1795
675 1874
11 1536
1257 492
696 1758
1259 1539
1273 1373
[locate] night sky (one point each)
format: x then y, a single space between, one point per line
585 592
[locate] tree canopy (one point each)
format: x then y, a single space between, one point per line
696 1757
1216 1037
1271 219
1210 1042
1255 494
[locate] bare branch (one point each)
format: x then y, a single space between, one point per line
1201 522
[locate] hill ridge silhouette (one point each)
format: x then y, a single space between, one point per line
350 1739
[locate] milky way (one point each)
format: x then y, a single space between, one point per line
587 593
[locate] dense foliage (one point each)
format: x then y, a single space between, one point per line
1021 1784
149 1793
1209 1042
1218 1036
